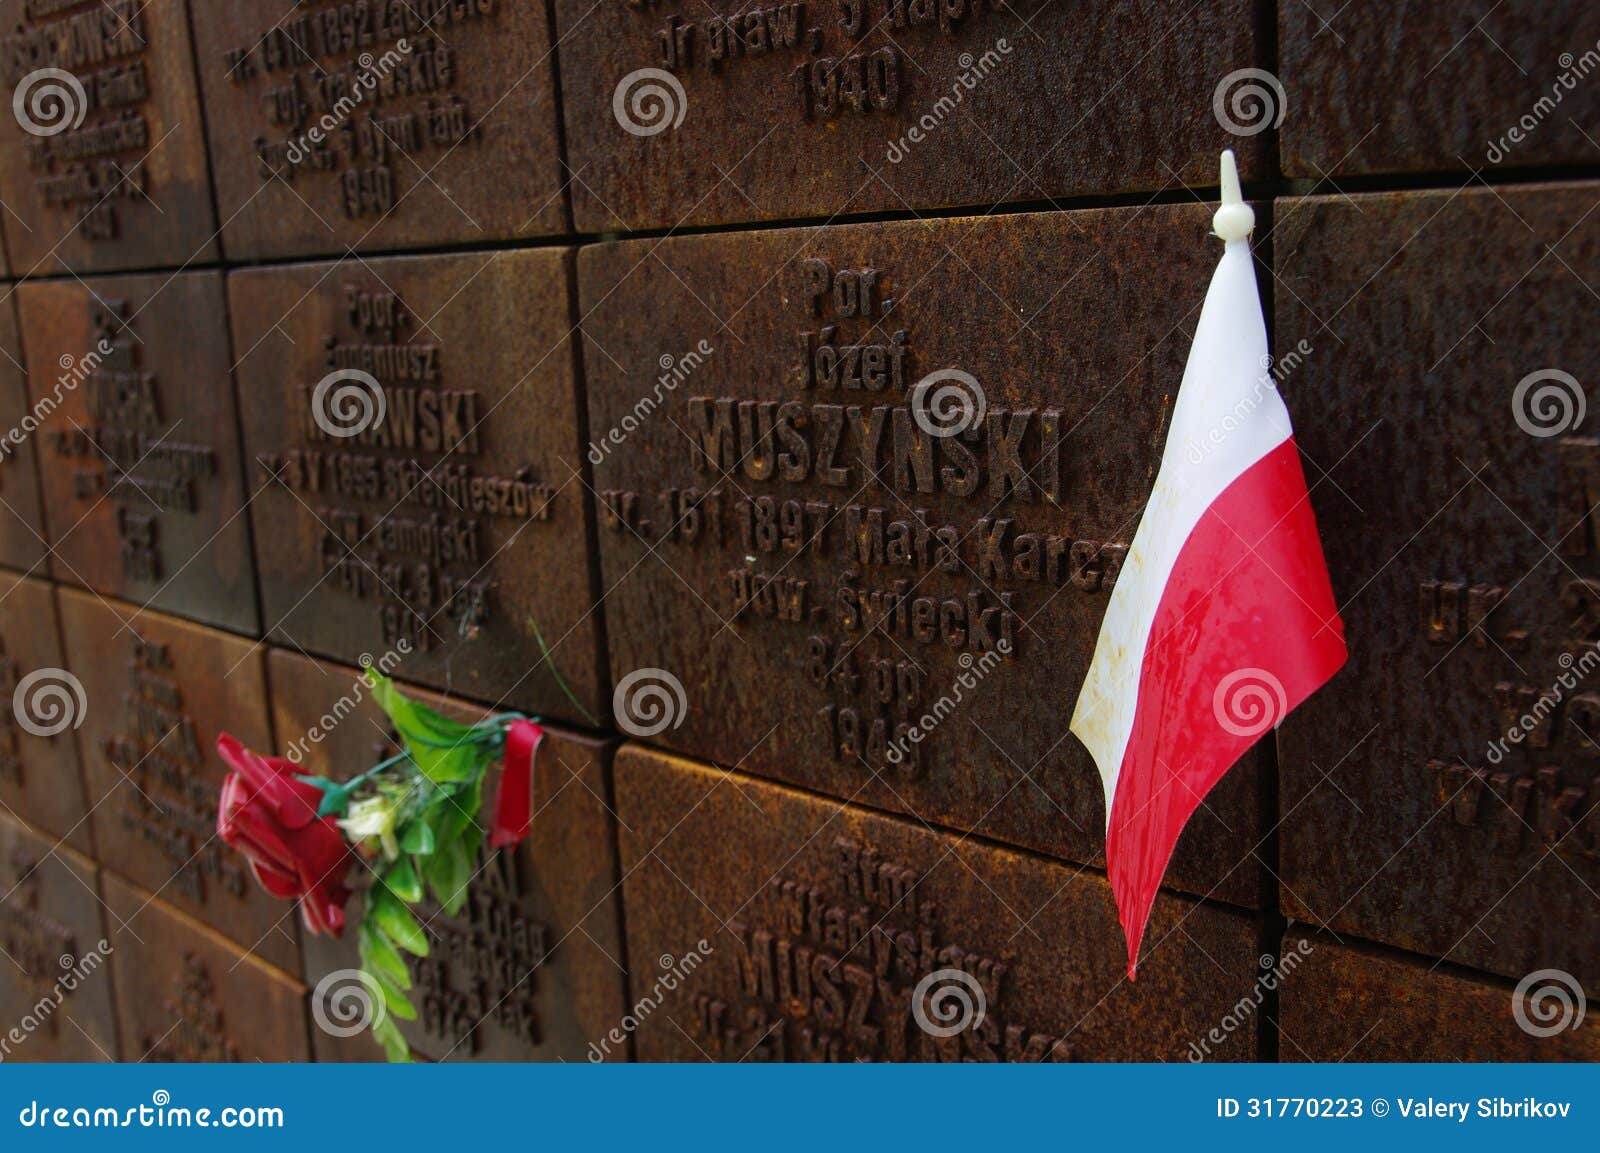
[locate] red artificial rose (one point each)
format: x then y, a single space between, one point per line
271 817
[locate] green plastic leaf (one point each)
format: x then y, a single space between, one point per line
382 959
394 1045
396 922
449 871
335 796
401 880
444 750
418 839
397 1003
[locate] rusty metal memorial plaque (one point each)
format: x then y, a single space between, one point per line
766 924
186 994
1442 792
138 442
820 586
55 989
1484 84
413 433
1346 1002
22 542
159 691
341 124
693 114
39 704
532 969
102 152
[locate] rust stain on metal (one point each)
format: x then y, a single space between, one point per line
1478 83
1441 794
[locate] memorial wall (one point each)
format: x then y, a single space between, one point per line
507 414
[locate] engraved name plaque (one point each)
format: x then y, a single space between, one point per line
768 925
138 442
880 590
103 164
159 691
348 124
185 994
711 112
412 428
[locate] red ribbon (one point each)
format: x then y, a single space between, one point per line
513 805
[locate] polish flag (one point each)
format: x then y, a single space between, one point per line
1222 619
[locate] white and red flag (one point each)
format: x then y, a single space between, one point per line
1222 619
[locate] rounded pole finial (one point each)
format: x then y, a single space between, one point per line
1235 219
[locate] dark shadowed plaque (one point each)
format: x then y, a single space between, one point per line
713 112
765 924
413 431
1377 87
138 442
1441 793
55 985
353 125
21 521
102 148
159 692
849 601
1347 1002
186 994
39 706
532 968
